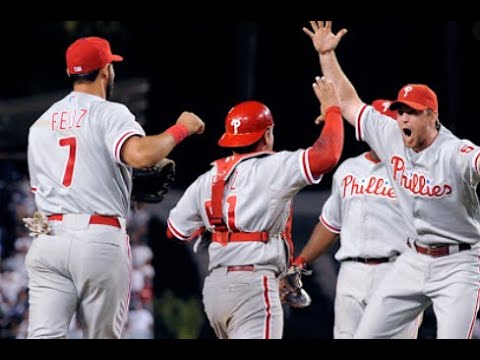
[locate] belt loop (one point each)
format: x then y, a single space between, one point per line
123 223
411 243
76 221
224 238
453 249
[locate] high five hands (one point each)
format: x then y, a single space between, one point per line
326 95
324 40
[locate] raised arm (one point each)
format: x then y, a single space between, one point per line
145 152
325 43
327 150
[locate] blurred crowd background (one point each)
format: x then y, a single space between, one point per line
207 66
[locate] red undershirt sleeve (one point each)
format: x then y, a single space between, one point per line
327 150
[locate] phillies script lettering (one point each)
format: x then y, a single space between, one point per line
372 185
417 183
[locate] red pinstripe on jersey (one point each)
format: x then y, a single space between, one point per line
175 232
474 316
306 167
127 296
358 127
477 158
119 143
268 308
328 226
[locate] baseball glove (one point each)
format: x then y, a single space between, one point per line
37 225
152 184
291 292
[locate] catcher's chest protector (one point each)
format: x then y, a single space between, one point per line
223 234
225 168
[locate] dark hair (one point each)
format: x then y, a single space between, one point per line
85 78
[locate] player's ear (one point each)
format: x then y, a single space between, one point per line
268 138
269 133
105 71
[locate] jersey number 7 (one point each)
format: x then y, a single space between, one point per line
71 142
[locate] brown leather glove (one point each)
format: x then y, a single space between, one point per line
291 291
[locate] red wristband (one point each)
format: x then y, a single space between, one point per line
179 132
335 109
300 262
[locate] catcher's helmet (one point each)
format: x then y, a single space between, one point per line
245 124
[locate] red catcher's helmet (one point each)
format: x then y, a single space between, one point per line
245 124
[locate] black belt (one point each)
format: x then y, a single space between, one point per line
369 261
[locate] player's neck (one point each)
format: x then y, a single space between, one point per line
372 156
427 141
95 88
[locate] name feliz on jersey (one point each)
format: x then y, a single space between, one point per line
67 120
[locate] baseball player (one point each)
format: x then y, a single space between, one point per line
81 152
434 175
244 204
363 211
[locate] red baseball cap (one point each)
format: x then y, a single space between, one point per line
383 106
417 96
89 54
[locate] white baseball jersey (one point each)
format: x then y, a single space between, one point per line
76 171
74 157
364 208
436 187
257 197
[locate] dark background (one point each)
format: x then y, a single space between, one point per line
207 66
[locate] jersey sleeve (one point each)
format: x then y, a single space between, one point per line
467 157
331 216
119 126
33 173
296 168
288 172
377 130
185 220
